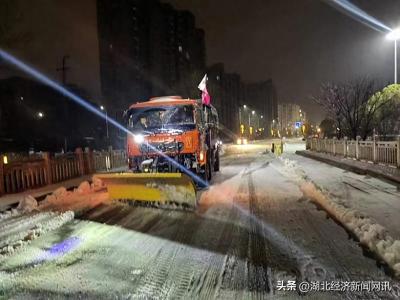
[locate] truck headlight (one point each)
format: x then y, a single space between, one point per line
138 138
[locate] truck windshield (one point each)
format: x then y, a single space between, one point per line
155 119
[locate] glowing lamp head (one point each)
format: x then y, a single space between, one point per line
201 156
394 35
138 138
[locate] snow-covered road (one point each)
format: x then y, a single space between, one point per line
253 229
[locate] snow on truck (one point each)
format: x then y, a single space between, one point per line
172 148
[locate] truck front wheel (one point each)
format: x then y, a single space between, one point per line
206 173
216 162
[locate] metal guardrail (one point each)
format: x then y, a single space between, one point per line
381 152
106 160
17 176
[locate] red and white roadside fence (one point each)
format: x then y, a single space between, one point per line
375 151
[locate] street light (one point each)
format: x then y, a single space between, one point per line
252 113
240 114
394 35
40 115
105 111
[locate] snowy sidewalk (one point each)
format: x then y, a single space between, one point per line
9 199
6 201
366 206
356 166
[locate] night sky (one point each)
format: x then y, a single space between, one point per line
298 44
56 28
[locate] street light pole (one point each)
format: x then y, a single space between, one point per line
395 61
105 111
394 35
107 124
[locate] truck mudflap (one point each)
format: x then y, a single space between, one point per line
169 189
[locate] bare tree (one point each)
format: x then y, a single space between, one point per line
352 106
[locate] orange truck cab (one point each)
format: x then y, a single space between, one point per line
171 134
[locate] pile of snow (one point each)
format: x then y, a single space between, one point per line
85 196
60 192
27 204
9 214
178 194
62 195
30 220
18 229
84 188
97 184
368 231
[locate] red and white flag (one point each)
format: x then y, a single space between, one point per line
205 96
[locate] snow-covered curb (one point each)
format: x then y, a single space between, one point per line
26 228
20 226
370 233
367 230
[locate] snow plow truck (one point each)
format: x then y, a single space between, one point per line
172 148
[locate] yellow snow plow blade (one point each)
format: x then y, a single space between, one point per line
164 188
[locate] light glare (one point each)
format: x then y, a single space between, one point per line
138 138
394 35
358 14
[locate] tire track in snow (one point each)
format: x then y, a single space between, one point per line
234 274
258 260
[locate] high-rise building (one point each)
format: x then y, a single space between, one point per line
227 92
262 97
147 49
288 115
